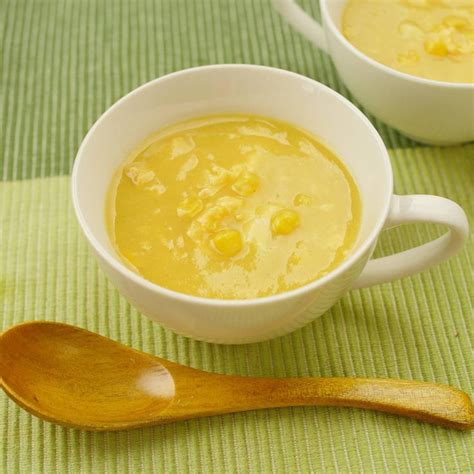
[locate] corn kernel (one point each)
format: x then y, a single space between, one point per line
437 47
457 22
246 184
302 200
285 221
190 206
228 242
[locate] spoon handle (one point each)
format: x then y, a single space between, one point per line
429 402
433 403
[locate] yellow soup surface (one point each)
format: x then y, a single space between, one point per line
233 206
433 39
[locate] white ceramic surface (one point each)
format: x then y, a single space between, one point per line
434 112
279 94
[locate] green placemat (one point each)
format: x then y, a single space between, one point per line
63 63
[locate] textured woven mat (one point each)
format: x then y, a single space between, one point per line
63 63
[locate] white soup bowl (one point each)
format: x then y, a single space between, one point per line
282 95
434 112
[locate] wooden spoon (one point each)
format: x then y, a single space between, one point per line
76 378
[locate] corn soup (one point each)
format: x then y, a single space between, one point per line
234 207
433 39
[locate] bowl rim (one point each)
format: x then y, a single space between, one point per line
301 291
328 21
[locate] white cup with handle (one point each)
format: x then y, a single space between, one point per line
433 112
286 96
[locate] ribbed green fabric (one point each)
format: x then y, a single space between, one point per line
63 63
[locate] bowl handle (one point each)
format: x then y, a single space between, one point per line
418 208
302 22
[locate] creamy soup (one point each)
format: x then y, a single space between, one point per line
233 206
433 39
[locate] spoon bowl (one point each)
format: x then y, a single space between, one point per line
80 379
76 378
